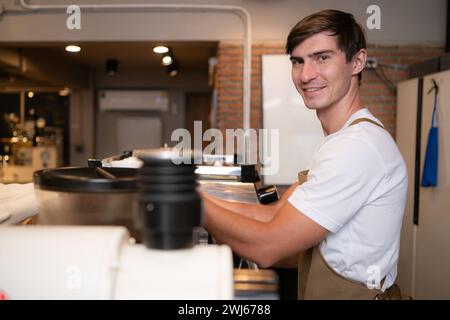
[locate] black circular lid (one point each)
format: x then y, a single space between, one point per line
79 179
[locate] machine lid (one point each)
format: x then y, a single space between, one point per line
164 155
81 179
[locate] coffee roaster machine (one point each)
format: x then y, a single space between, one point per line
128 232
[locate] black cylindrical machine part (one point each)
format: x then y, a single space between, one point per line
169 205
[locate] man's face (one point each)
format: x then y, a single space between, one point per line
320 71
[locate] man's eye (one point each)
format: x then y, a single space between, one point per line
323 57
296 61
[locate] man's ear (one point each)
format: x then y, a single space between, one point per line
359 61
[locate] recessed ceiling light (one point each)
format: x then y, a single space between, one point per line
112 66
160 49
172 69
166 60
73 48
30 94
64 92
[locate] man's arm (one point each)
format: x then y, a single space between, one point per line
252 210
265 243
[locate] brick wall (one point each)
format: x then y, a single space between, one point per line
229 84
375 94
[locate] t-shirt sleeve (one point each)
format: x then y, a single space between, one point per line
343 176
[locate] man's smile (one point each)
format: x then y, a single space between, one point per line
311 89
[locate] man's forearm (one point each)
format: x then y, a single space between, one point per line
254 211
250 210
266 243
238 231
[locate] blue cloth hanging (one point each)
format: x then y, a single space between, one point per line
430 168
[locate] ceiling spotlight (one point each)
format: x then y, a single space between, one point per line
112 66
172 69
160 49
166 60
73 48
30 94
64 92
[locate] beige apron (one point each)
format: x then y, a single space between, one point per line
317 280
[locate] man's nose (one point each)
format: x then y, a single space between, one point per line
308 72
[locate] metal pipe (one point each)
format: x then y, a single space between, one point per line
22 107
447 39
241 12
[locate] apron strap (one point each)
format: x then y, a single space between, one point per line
304 265
365 120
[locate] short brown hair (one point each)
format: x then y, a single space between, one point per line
350 35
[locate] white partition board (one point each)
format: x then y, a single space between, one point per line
283 108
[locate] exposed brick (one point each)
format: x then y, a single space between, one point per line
229 98
226 74
230 59
230 92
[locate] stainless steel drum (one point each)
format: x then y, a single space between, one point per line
87 196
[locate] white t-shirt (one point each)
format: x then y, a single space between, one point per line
356 189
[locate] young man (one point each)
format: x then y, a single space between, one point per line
345 221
